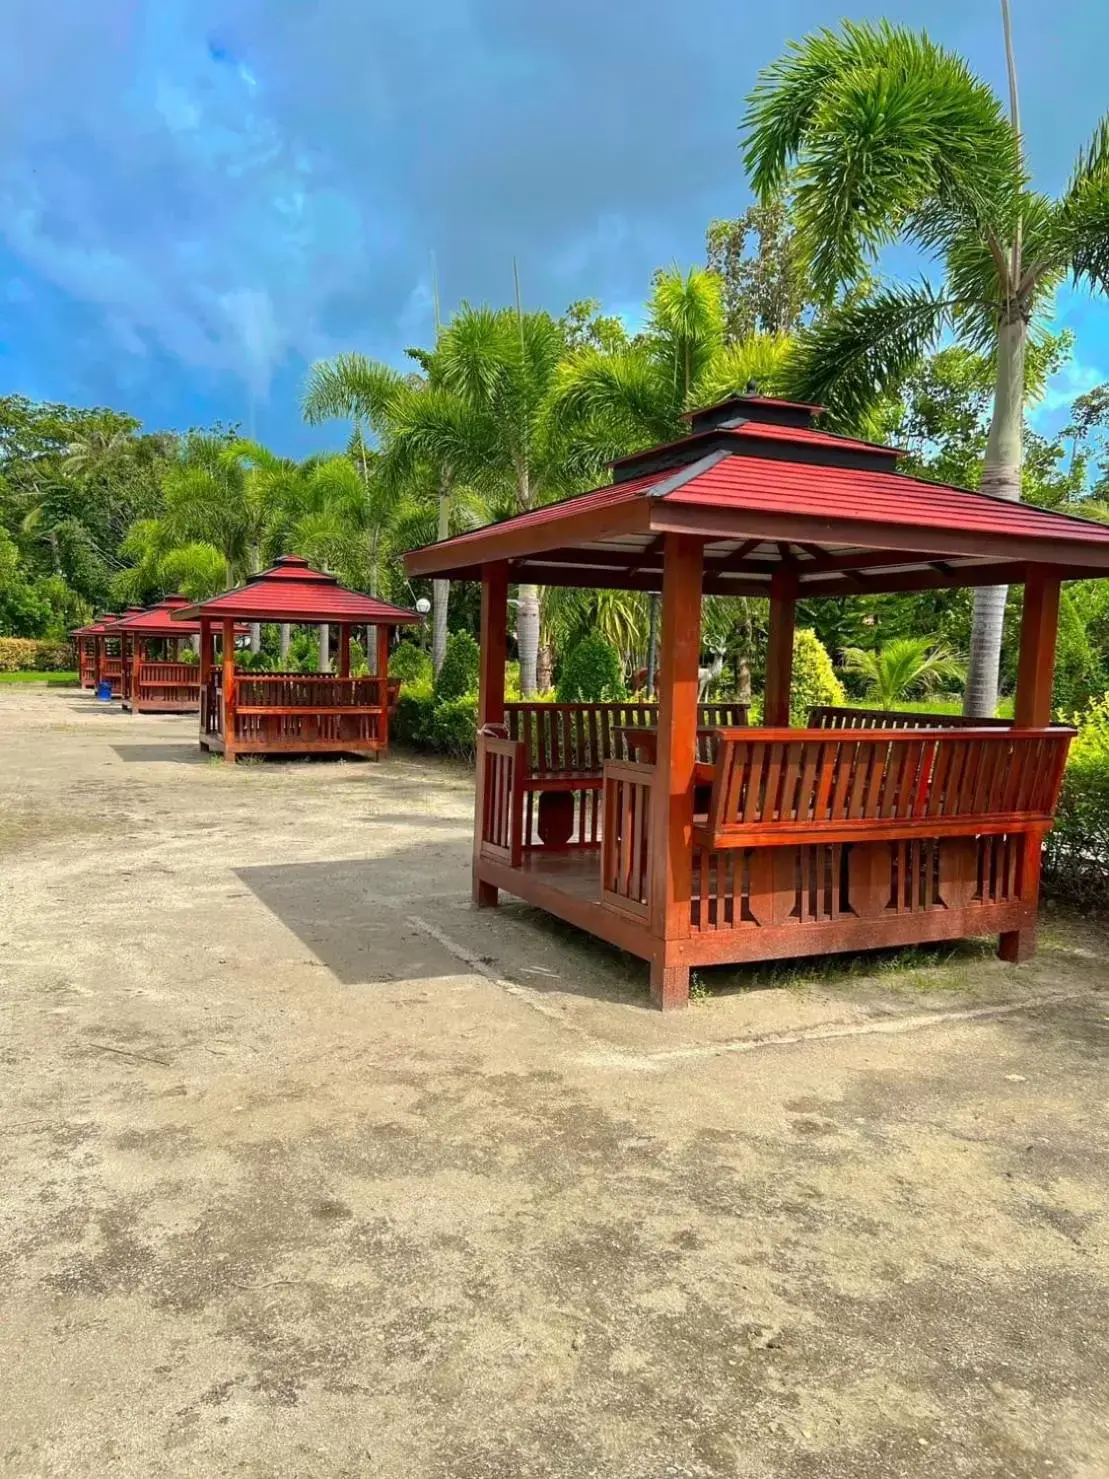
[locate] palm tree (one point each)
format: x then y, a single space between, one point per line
877 135
905 667
484 416
374 397
613 400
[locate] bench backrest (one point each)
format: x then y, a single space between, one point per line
564 739
839 716
820 779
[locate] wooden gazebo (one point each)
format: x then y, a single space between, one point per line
87 649
254 713
158 682
694 843
99 651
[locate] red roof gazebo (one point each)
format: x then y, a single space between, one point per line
164 684
294 713
88 648
694 843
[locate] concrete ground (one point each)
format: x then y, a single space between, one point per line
308 1170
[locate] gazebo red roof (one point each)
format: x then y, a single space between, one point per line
94 628
769 493
158 620
293 591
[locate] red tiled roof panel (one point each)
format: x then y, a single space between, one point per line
293 591
608 497
832 493
771 431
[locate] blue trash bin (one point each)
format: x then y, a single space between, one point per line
104 691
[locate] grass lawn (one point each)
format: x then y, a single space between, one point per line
52 680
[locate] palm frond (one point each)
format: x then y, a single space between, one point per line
862 350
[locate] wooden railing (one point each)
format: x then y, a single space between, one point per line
840 716
626 849
567 742
317 691
500 791
174 684
771 787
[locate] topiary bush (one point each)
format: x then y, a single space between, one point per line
410 663
461 664
1076 853
592 673
814 678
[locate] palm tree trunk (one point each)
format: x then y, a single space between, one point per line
652 643
527 638
325 647
527 604
1001 477
286 637
441 589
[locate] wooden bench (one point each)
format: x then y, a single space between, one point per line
773 787
558 751
841 716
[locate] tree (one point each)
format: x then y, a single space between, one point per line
766 291
375 398
905 668
485 416
876 135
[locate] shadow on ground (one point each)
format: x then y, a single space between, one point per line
174 754
354 916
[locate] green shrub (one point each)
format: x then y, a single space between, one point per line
1076 855
413 718
814 678
410 663
592 673
461 664
34 655
454 726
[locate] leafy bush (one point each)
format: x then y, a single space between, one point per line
1076 856
413 718
410 663
461 664
814 678
31 655
455 726
592 673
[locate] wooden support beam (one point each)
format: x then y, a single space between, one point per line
344 650
671 861
490 703
779 650
1039 627
382 667
229 691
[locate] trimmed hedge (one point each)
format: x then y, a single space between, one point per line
427 722
32 655
461 664
814 678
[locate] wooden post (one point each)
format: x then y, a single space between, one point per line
381 637
344 651
672 789
490 703
204 667
138 656
779 650
1039 628
229 691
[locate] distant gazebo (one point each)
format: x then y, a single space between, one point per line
688 841
158 681
257 713
87 645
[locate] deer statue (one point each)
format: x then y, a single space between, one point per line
706 677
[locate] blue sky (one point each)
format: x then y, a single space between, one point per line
199 197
